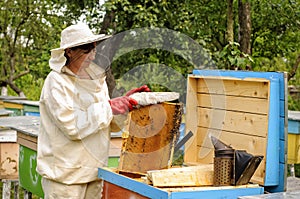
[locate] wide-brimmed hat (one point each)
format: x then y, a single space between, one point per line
74 35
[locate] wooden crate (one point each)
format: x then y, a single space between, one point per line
293 137
26 130
233 110
9 154
247 110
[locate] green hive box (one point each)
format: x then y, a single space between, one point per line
28 177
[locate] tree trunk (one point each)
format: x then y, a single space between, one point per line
245 27
230 21
16 89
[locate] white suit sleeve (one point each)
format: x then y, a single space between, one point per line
75 120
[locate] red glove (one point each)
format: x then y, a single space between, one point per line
121 105
143 88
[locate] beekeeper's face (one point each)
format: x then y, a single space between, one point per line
81 56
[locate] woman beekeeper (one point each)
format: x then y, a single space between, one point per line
76 113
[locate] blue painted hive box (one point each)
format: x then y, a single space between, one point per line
246 110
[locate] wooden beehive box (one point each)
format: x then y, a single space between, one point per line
149 141
241 112
247 110
293 137
9 153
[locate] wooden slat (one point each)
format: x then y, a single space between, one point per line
258 88
233 103
27 137
27 143
8 135
201 175
252 144
245 123
13 105
191 121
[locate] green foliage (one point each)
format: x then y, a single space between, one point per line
293 103
232 58
275 36
275 32
29 29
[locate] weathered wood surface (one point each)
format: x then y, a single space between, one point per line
9 157
25 124
111 191
152 133
294 115
8 135
201 175
251 87
231 109
27 141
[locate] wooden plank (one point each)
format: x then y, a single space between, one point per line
233 103
13 105
31 138
9 160
27 143
5 112
31 108
254 145
201 175
113 191
191 123
8 135
246 123
205 154
258 88
293 149
152 133
294 115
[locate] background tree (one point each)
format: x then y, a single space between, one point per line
260 35
264 34
26 28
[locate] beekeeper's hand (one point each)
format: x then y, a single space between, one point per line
122 105
143 88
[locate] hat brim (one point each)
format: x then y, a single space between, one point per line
95 38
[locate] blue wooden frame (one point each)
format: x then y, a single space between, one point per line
156 193
275 177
